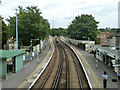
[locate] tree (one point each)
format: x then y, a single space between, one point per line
59 32
4 33
83 26
31 25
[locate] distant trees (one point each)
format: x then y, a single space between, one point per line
58 32
31 25
82 27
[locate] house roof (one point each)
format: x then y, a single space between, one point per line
5 54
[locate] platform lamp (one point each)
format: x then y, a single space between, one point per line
16 31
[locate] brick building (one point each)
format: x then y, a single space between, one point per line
102 36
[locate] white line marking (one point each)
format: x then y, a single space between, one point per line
88 71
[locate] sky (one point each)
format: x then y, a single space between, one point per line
60 13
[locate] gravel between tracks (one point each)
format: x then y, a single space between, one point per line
63 54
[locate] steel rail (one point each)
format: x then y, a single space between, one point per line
81 64
57 77
48 74
78 73
68 81
33 83
51 68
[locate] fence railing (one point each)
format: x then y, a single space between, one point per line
30 56
24 47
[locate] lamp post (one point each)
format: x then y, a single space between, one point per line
16 32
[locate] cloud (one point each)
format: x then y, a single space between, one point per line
68 18
64 11
111 22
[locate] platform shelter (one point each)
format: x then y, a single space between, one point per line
11 61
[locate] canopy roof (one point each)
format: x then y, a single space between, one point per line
5 54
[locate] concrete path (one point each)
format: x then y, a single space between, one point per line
24 77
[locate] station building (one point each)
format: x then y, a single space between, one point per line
108 55
11 61
105 53
110 51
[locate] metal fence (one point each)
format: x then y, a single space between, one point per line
31 56
28 57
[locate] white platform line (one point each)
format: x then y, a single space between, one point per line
42 69
81 64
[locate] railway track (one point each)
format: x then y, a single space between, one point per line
80 73
64 68
63 71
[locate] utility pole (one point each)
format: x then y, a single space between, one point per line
16 32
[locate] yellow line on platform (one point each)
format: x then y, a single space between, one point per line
99 85
38 67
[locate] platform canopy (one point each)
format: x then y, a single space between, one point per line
5 54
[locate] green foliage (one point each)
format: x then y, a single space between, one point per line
4 33
111 30
82 27
58 32
31 25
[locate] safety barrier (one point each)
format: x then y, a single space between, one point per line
29 56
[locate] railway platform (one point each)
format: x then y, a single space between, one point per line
95 74
26 76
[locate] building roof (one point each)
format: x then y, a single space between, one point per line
109 50
5 54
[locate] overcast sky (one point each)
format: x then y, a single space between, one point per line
61 12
